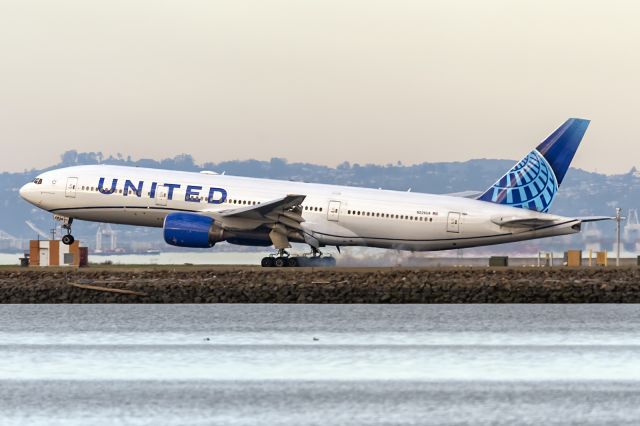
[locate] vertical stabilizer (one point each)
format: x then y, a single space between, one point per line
533 183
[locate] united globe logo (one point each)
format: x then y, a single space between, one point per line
531 184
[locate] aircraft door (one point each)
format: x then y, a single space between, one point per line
161 196
453 222
333 212
70 190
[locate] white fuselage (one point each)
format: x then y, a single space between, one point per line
334 215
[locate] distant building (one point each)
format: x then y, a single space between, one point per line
54 253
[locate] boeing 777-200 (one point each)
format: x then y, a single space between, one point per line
200 209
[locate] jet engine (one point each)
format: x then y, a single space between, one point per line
192 230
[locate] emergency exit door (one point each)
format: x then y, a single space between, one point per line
333 212
70 190
453 222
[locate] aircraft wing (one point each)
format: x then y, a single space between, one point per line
261 211
283 216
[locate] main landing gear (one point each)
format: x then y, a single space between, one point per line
66 224
283 259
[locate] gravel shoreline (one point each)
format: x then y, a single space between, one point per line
254 285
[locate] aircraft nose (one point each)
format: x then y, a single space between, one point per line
27 192
24 190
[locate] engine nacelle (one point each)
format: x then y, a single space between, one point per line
191 230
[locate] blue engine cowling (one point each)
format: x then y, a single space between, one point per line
191 230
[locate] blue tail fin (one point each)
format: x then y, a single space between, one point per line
533 183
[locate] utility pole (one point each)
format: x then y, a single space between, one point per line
618 219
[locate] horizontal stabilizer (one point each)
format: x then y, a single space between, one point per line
585 219
465 194
520 222
537 222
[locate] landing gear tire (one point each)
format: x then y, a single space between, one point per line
66 225
281 262
293 262
268 262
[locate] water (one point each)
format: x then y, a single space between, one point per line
319 364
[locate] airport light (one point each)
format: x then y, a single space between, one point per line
618 219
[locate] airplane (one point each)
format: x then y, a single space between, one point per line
198 210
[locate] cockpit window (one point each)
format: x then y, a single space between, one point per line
37 181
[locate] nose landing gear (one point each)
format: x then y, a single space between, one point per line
66 224
68 239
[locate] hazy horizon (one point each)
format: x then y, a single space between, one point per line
317 82
117 158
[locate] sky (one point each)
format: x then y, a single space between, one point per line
328 81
